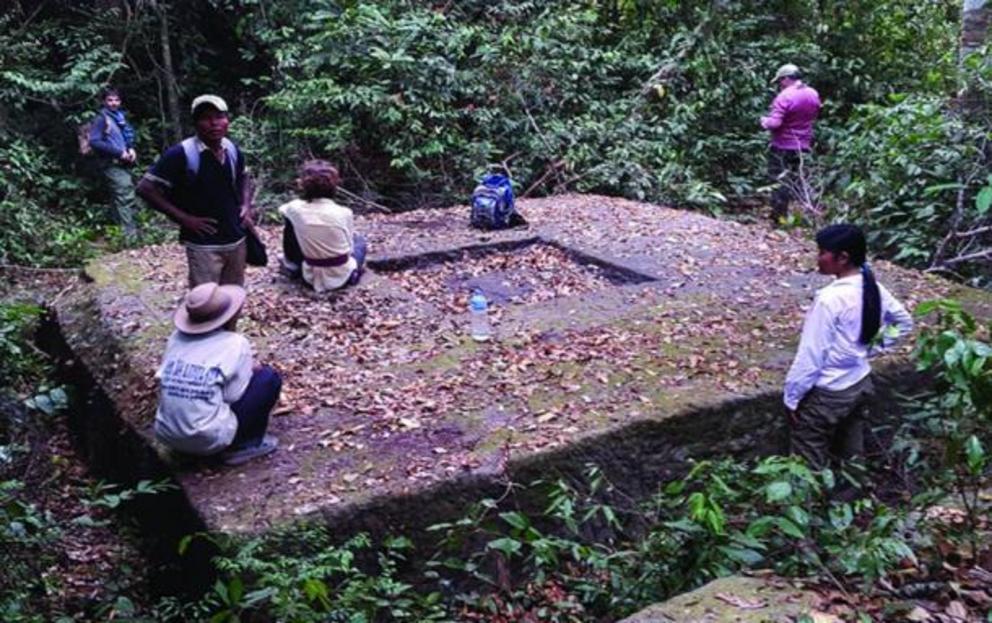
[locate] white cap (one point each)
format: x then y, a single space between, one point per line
786 71
212 100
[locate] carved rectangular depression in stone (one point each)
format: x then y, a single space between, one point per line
525 271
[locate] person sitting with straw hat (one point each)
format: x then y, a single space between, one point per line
213 399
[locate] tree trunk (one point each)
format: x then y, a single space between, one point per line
975 17
168 73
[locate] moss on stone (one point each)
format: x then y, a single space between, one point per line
758 600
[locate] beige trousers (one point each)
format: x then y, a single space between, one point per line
223 267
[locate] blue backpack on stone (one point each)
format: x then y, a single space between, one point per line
492 203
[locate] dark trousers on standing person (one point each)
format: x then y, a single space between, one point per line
122 198
829 425
254 407
784 170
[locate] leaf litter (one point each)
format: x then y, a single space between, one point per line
390 360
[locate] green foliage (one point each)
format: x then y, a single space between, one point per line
892 164
27 538
114 496
37 226
318 581
954 348
914 169
957 413
720 519
631 98
48 401
777 512
30 547
19 360
55 61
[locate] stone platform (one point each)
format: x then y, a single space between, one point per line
627 334
736 599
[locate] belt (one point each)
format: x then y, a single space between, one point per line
326 262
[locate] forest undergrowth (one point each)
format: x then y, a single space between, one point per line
650 100
655 101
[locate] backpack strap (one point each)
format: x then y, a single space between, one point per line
192 152
192 157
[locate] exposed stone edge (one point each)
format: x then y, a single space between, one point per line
637 458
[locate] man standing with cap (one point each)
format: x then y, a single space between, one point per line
213 399
201 184
790 122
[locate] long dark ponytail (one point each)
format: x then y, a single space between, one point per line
851 240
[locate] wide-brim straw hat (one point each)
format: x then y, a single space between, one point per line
208 306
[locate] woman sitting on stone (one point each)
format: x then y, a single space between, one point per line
213 399
318 240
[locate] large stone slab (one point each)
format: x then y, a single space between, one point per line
736 599
628 334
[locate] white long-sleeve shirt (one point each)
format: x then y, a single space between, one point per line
829 354
324 230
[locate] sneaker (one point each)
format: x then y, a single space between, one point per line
289 269
243 455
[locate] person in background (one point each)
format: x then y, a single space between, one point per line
202 184
112 140
319 242
828 388
213 399
790 124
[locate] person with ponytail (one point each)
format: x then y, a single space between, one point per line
828 387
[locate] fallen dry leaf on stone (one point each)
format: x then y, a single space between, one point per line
824 617
742 602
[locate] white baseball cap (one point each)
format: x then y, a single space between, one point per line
211 100
786 71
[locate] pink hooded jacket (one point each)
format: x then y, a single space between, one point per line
791 118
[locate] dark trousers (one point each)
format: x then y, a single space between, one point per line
830 424
292 252
783 169
290 245
122 197
359 247
254 407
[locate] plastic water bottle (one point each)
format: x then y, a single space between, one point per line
478 309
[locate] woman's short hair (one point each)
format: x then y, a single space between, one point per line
318 179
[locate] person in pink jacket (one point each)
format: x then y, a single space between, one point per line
790 124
